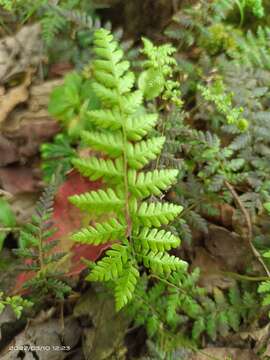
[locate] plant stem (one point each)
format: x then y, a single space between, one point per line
243 277
249 235
241 10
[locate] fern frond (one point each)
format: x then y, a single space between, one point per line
101 233
163 263
138 126
125 286
156 240
111 266
156 214
151 183
142 152
95 169
107 143
98 201
120 126
51 24
106 118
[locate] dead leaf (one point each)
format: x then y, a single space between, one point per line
228 247
20 52
60 69
67 219
19 179
104 337
225 354
260 336
224 217
8 151
14 97
48 334
211 268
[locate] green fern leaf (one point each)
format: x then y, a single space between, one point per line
198 328
101 233
125 286
233 319
211 326
100 201
156 214
138 126
151 183
223 323
105 119
111 266
141 153
108 143
156 240
163 263
95 169
126 83
264 287
132 102
105 95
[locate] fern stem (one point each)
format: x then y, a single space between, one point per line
241 11
40 250
243 277
127 215
249 235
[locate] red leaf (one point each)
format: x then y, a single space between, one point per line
67 219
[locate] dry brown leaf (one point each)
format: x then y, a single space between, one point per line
211 268
14 97
19 179
48 334
20 52
260 336
228 247
225 354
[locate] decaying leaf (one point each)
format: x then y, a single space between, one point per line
14 97
260 336
225 354
20 52
211 268
229 247
55 341
104 338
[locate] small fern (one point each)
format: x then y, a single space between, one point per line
16 302
123 141
41 260
177 313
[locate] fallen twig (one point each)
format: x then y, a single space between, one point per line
249 226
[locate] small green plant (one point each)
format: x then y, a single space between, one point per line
17 304
41 260
7 220
264 287
54 17
70 102
177 312
57 157
155 80
217 94
123 217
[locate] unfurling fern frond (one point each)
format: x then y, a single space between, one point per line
120 134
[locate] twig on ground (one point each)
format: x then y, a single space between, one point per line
249 226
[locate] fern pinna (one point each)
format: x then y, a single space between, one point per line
123 216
